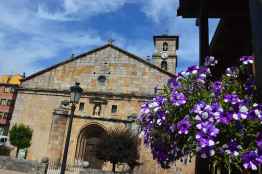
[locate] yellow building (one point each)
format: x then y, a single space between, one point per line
8 86
11 79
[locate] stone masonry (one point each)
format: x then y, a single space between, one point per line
115 84
9 166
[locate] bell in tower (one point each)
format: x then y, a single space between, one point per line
165 55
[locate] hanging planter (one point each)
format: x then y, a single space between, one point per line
220 121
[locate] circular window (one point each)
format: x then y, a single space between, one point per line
101 79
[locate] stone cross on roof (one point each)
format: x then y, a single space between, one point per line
110 41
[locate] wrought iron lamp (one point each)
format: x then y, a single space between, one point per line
75 94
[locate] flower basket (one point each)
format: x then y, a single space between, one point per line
217 120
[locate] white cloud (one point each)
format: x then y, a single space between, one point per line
29 39
35 32
77 9
160 10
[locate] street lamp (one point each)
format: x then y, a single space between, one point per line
75 94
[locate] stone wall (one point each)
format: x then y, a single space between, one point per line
36 109
95 171
124 74
128 84
8 165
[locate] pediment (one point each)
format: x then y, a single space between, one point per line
105 69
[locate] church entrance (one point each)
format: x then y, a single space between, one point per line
86 145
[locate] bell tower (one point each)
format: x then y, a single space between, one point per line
165 55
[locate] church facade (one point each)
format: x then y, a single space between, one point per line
115 84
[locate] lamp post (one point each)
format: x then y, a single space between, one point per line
75 93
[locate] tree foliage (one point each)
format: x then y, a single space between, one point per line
118 146
20 136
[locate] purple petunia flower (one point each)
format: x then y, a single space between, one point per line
157 103
208 128
249 160
226 118
161 100
216 111
210 61
174 84
232 148
232 98
172 128
198 108
145 109
204 140
217 88
177 98
144 112
183 126
201 78
232 72
161 117
192 69
255 112
205 112
247 59
242 114
204 70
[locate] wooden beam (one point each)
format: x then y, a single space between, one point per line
203 32
216 8
256 24
202 165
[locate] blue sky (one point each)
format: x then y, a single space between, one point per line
35 34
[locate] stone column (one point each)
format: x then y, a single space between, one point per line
56 137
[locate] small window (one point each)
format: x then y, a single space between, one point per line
3 102
101 79
165 46
12 90
7 90
114 109
3 140
10 102
81 106
164 65
6 115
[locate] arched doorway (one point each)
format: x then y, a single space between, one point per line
87 142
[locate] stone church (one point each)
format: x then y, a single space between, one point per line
115 82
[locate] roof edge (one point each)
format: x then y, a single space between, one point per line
63 62
92 51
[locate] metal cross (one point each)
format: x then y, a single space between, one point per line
110 41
